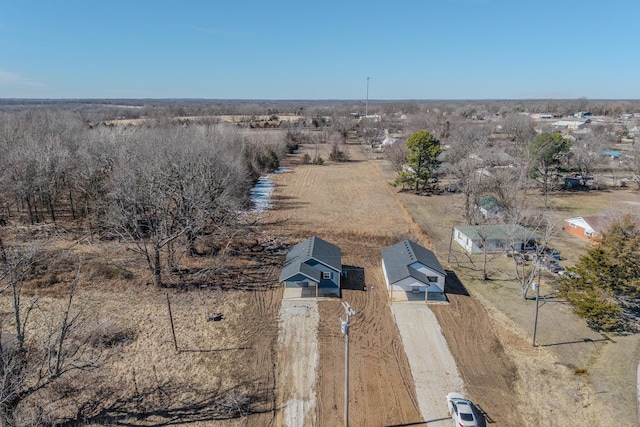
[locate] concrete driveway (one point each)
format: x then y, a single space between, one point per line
434 370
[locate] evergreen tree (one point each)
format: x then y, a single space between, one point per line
546 151
422 159
605 284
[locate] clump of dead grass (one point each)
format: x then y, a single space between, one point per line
110 334
100 269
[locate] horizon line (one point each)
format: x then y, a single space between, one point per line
314 99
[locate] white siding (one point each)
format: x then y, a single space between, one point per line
386 279
465 242
439 282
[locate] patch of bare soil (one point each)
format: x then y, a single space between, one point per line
490 376
381 385
351 205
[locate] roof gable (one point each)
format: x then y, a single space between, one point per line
313 248
598 223
399 257
580 222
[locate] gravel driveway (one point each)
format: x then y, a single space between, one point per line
298 361
433 368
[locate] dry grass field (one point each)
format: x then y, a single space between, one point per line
225 372
489 333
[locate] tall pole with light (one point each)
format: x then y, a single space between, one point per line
366 104
344 328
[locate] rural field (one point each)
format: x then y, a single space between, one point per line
244 356
487 325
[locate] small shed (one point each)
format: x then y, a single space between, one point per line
489 207
494 238
413 270
315 267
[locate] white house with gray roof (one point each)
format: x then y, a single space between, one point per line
412 269
494 238
315 266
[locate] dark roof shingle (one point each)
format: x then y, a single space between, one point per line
313 248
400 256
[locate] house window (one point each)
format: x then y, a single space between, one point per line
432 279
588 233
326 275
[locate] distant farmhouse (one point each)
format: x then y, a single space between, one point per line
314 266
571 124
491 238
411 269
587 228
592 228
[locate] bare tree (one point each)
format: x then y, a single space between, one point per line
520 129
341 124
36 359
585 153
540 227
396 154
468 145
176 183
635 165
509 185
338 153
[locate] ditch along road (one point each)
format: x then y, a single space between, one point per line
400 365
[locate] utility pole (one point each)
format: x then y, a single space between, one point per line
535 318
366 104
344 328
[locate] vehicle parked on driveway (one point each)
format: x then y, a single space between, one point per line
461 410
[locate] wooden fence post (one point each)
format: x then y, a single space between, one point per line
173 331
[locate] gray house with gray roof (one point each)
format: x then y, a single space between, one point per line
414 270
315 266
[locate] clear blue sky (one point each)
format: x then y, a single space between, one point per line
281 49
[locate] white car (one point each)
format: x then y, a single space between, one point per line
461 410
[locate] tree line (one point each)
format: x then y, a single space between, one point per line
154 186
159 188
